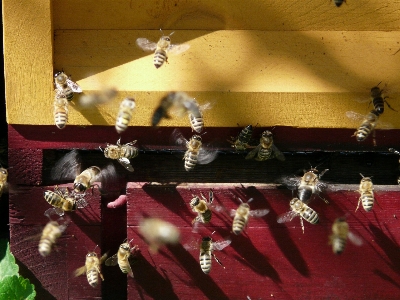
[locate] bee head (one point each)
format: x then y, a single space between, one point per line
91 254
206 239
79 187
195 201
125 246
196 137
266 134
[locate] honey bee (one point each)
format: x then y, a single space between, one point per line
60 111
241 143
122 153
125 114
307 185
92 268
201 207
100 97
86 179
378 100
195 153
206 251
366 191
157 233
3 180
51 232
161 48
179 103
197 122
65 86
398 153
340 233
266 149
63 201
299 208
123 257
243 213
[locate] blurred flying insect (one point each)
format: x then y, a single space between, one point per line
3 180
124 114
69 167
338 3
378 100
178 103
340 234
307 185
123 257
242 214
63 201
122 153
398 153
197 122
241 143
366 191
92 268
65 86
162 48
100 97
369 122
51 232
195 153
206 252
299 208
201 206
60 112
158 232
266 149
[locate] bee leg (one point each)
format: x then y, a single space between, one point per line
358 205
389 104
218 261
322 198
302 224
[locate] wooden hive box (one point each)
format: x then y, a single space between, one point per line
292 66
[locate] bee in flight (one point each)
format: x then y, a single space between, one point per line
241 143
197 122
299 208
124 257
122 153
157 233
195 153
124 114
366 191
100 97
60 112
161 48
307 185
65 86
51 232
201 206
63 201
3 180
69 167
92 268
340 234
266 149
242 214
179 103
378 100
207 247
369 122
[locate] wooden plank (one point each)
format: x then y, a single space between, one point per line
206 14
268 254
28 55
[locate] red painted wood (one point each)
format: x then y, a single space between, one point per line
26 166
270 259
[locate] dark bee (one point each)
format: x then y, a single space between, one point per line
266 149
378 100
242 141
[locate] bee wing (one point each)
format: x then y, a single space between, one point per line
80 271
253 152
258 213
354 116
355 239
54 210
291 182
286 217
112 261
178 138
74 86
103 258
146 44
81 202
178 48
192 106
126 163
221 244
321 186
67 167
384 125
192 245
206 156
278 154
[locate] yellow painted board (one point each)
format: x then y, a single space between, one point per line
367 15
28 58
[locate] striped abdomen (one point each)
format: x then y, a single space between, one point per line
338 244
310 215
264 154
378 104
123 120
364 130
245 135
129 152
206 216
239 223
367 200
60 112
66 91
205 261
190 160
50 234
197 124
160 56
92 277
56 200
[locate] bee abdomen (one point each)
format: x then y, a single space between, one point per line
45 245
238 225
304 193
363 131
52 198
190 161
207 216
124 268
311 216
159 58
367 202
205 263
92 277
264 154
196 123
131 152
378 105
60 117
122 122
338 245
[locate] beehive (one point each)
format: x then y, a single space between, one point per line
293 66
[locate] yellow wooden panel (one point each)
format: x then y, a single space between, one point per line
227 14
28 58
